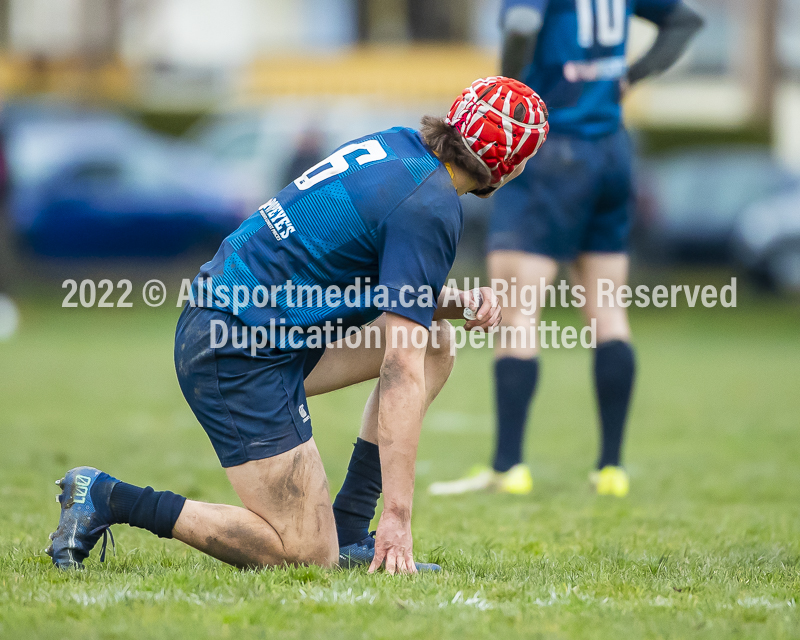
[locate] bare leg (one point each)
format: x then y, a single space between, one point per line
612 322
287 515
528 269
341 367
355 503
438 366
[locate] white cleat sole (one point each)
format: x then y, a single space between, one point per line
480 482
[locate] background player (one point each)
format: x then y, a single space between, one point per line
383 209
572 204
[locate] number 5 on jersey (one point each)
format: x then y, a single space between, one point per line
338 163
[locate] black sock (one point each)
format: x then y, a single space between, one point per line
515 384
156 511
356 501
614 369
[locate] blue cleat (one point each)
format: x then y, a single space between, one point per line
85 515
362 553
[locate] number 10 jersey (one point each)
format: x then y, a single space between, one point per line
579 59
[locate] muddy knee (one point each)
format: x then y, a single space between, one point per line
324 553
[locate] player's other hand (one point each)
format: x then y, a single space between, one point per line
487 305
393 545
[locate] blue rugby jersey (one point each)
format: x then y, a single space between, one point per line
381 210
580 59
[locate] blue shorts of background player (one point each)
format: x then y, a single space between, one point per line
575 196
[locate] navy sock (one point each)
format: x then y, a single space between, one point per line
356 501
123 497
156 511
515 383
614 369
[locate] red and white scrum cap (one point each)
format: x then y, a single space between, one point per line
503 121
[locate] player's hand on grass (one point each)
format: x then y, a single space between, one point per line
393 545
487 305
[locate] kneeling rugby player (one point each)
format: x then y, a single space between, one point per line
382 209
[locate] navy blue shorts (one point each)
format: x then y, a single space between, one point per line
574 196
251 406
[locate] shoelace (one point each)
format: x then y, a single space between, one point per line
106 529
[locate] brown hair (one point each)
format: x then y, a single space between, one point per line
448 145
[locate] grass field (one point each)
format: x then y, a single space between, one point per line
707 544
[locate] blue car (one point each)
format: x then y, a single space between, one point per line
100 185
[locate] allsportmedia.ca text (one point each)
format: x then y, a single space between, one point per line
528 298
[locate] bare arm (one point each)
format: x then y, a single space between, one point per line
400 412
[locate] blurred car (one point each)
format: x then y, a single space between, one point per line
96 184
271 146
767 240
689 203
266 147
